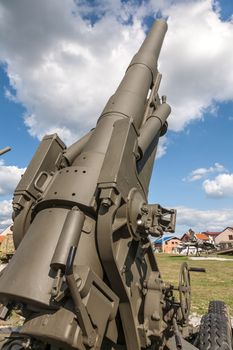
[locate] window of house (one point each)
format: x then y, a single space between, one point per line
230 237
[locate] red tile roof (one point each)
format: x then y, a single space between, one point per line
202 236
209 233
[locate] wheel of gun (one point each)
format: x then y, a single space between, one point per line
84 275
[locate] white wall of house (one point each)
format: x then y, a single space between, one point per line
224 236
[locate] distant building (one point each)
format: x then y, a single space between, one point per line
7 248
167 244
202 236
195 243
188 236
191 236
7 231
211 235
185 238
225 238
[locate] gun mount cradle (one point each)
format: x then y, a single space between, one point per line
84 274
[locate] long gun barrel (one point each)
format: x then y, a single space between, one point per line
130 97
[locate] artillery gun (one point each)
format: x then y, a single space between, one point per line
84 275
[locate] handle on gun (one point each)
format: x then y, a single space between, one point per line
197 269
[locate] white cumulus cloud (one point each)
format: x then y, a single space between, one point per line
9 178
221 186
203 220
200 173
63 68
162 146
5 214
196 61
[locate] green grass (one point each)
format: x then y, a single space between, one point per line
215 284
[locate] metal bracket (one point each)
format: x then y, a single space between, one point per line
156 219
89 333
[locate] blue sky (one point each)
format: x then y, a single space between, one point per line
200 145
13 130
56 76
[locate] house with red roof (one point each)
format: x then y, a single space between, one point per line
202 236
192 236
212 234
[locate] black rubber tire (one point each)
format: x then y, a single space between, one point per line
218 307
215 332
